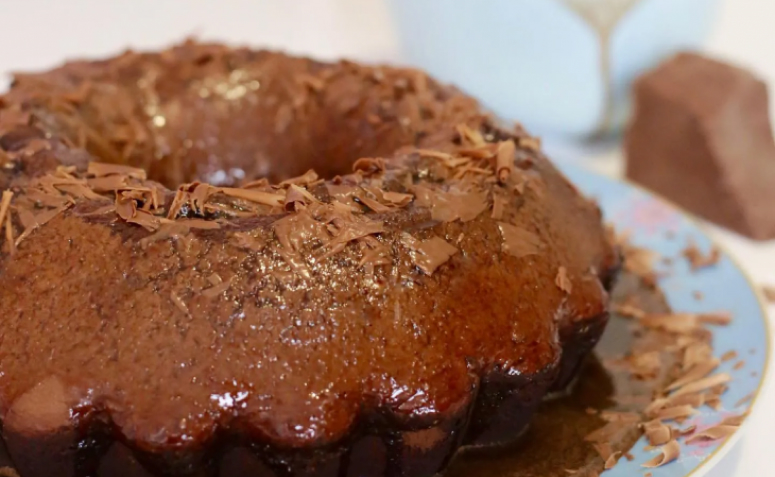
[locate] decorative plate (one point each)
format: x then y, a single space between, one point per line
657 225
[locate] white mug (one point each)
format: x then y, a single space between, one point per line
561 67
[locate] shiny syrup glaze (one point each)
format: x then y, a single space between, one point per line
118 336
557 431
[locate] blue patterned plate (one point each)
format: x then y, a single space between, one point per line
657 225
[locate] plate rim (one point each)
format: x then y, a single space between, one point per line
725 446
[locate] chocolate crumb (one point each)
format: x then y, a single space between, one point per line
697 295
739 365
698 260
728 356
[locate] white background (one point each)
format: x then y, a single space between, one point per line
40 34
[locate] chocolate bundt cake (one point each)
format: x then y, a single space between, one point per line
225 262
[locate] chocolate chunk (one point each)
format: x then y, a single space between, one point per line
701 136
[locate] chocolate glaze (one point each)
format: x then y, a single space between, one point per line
343 342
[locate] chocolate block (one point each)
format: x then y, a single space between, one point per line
701 136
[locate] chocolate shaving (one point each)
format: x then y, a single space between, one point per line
373 204
720 319
616 416
698 260
108 183
696 353
504 165
199 224
166 230
728 356
259 197
628 311
80 191
428 255
9 236
353 231
397 199
125 208
562 280
668 453
696 373
530 143
369 165
31 221
146 220
684 432
693 400
200 196
519 242
429 153
297 198
498 207
263 182
675 412
604 449
646 365
216 290
713 434
470 136
179 303
306 179
612 460
374 253
703 384
672 322
102 169
657 432
42 198
5 204
454 205
734 420
484 151
745 399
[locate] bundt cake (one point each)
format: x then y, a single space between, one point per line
226 262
